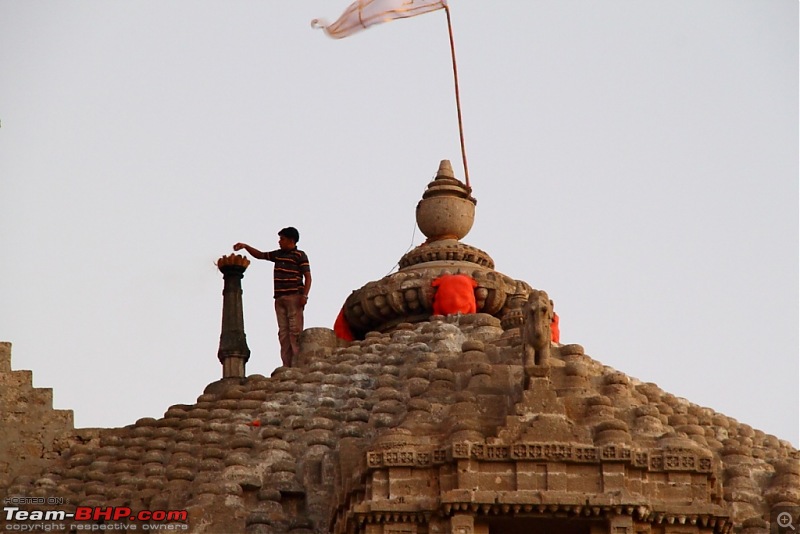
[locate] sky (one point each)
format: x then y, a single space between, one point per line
636 159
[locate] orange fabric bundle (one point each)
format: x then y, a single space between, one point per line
455 294
555 333
341 328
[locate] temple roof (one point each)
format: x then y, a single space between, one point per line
264 451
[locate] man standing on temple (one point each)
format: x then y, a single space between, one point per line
292 277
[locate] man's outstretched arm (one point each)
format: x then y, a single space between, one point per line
253 251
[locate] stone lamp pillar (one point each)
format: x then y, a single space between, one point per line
233 352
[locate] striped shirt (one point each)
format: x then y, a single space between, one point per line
290 265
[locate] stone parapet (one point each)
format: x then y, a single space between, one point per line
32 433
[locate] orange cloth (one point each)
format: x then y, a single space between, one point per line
341 328
555 333
455 294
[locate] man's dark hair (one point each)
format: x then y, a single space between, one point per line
291 233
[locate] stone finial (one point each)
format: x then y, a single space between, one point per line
445 169
447 208
233 352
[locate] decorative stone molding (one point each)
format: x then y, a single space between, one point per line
411 457
387 521
407 296
654 460
448 250
641 514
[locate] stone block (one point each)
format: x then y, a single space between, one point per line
462 524
633 483
5 357
613 477
584 479
469 479
42 397
679 478
680 529
379 485
400 528
556 477
622 524
672 492
531 476
416 485
481 383
498 480
18 380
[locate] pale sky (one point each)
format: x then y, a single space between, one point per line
636 159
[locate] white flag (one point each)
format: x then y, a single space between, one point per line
362 14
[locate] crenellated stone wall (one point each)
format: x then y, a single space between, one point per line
31 432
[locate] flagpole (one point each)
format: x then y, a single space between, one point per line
458 98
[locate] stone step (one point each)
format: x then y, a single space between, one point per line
5 357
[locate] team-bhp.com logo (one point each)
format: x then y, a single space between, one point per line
94 518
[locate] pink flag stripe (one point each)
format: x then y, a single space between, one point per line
362 14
